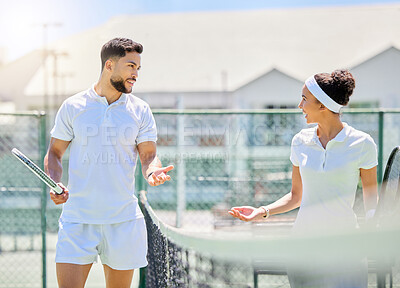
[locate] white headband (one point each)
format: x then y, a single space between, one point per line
318 93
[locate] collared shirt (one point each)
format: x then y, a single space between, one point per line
330 176
103 155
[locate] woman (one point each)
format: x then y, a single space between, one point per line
328 161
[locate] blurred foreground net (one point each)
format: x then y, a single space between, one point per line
172 264
182 259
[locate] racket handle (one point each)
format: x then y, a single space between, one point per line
58 190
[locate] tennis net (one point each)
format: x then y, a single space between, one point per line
185 259
172 263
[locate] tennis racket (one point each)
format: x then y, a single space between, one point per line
388 210
389 198
37 171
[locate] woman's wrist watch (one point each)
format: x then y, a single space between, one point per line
266 215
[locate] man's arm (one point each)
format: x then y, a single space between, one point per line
152 169
53 167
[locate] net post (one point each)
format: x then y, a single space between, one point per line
167 261
140 186
42 153
142 270
380 145
187 267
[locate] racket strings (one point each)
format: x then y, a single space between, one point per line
43 175
34 168
389 204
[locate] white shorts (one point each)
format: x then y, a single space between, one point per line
121 246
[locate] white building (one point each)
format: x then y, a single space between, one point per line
241 59
378 79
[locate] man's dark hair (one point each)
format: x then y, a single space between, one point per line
117 48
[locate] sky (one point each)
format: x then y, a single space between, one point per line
22 21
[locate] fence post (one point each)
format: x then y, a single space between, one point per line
181 167
380 145
42 153
140 182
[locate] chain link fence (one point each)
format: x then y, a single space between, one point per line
225 159
222 159
22 237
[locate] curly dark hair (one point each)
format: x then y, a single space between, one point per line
117 48
339 85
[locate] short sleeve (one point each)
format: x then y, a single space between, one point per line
148 129
369 155
293 156
63 124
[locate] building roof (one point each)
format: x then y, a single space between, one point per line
377 79
222 51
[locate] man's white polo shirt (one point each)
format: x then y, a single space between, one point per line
103 154
330 176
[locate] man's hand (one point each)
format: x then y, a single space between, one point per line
62 198
159 176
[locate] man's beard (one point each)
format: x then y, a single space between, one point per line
118 84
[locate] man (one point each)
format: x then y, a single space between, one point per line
106 128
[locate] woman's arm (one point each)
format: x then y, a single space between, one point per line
287 203
370 191
291 200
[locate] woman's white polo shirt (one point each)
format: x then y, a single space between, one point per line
330 176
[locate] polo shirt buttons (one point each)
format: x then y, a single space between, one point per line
106 116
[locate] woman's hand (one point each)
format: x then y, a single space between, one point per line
248 213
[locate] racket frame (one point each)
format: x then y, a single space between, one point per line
382 192
37 171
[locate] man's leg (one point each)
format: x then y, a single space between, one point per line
118 278
72 275
124 248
